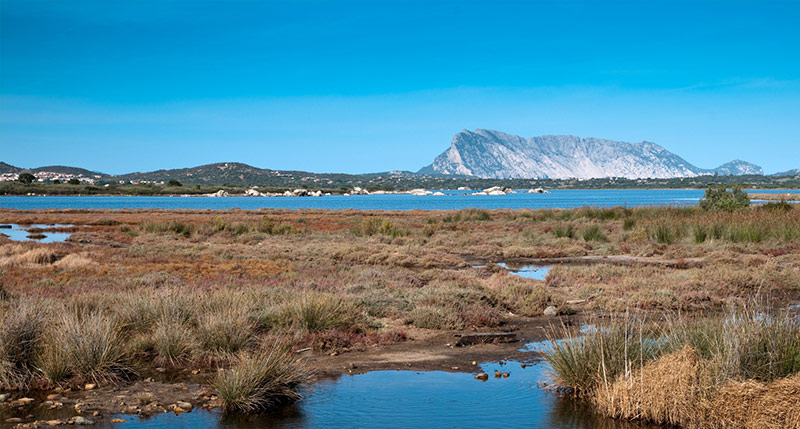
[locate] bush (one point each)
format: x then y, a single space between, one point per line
724 199
224 331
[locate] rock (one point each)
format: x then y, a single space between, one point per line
220 193
4 397
505 375
90 386
81 421
185 405
474 362
53 396
538 191
195 371
300 192
178 410
498 374
358 191
14 420
22 402
438 194
118 421
253 193
54 423
550 311
463 188
419 192
482 376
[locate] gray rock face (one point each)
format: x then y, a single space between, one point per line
493 154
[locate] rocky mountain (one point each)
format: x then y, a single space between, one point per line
494 154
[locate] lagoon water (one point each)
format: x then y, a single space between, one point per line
453 200
409 399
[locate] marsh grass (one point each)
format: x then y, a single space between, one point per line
224 331
21 343
593 233
91 347
684 372
261 380
317 312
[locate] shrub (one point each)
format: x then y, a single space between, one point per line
724 199
700 233
665 234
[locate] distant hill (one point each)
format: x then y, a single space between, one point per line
795 172
59 169
494 154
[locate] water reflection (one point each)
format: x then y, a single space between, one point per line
390 399
35 232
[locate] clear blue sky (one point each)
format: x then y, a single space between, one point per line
373 85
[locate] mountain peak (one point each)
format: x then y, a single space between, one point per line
495 154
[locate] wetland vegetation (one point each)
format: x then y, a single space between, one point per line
237 300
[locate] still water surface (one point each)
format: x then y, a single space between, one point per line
408 399
452 200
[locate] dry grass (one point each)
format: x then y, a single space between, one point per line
668 390
74 260
261 380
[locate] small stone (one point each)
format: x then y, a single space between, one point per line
454 367
96 414
4 397
550 311
185 405
89 386
54 423
505 375
523 366
161 369
178 410
14 420
81 421
482 376
474 363
53 396
498 374
195 371
118 421
56 405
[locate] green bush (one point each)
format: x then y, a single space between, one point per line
725 199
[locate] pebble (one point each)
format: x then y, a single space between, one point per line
482 376
550 311
54 423
89 386
118 421
185 405
505 375
81 421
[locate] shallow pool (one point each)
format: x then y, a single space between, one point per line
22 233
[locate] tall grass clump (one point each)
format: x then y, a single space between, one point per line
593 233
700 233
564 231
259 381
172 342
317 312
224 331
21 342
375 225
90 349
175 227
666 234
585 361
